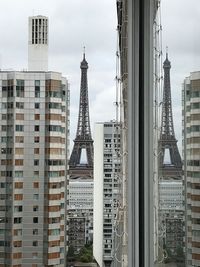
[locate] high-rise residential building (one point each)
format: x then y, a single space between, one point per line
191 152
33 131
106 191
33 156
38 43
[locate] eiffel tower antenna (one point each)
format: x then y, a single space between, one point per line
167 136
83 140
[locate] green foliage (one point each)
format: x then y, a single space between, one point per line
70 251
86 254
179 251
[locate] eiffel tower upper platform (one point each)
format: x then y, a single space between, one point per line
172 169
83 140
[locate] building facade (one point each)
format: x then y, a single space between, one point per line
80 213
81 194
34 143
171 195
191 152
106 191
171 213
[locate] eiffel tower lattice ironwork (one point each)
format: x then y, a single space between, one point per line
167 136
83 138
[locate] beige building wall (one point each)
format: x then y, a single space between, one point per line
33 151
191 148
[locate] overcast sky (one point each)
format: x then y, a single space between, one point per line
72 25
181 33
92 23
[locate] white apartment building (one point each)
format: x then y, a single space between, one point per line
34 108
191 152
171 195
171 215
106 191
34 141
80 194
80 212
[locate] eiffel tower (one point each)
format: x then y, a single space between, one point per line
83 140
172 169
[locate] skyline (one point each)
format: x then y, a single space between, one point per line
183 42
67 37
133 167
95 28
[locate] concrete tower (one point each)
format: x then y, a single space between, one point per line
38 43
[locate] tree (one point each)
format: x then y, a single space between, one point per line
179 251
70 251
85 254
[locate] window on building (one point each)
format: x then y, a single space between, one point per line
37 116
17 220
17 232
35 243
36 185
4 106
17 244
35 208
37 128
35 219
4 88
36 139
35 231
37 88
36 162
18 196
35 196
8 116
34 255
19 174
36 150
19 151
19 139
19 116
20 105
19 162
20 88
37 105
19 185
19 128
18 208
36 174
